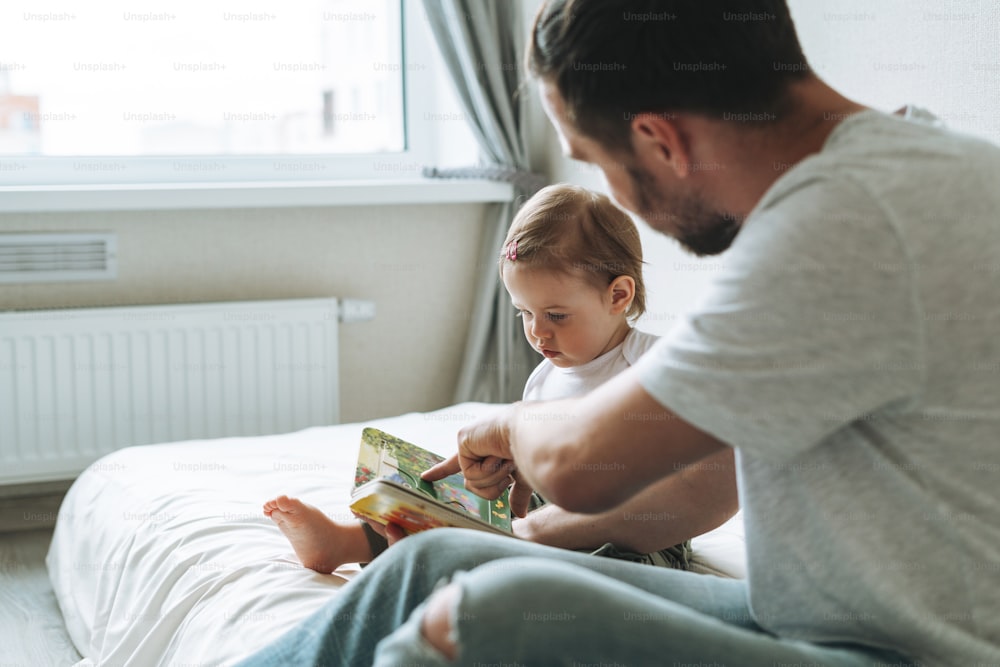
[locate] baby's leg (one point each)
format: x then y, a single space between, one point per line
321 543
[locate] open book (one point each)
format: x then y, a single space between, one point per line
388 489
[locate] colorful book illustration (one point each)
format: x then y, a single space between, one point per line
388 489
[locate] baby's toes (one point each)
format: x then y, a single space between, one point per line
286 504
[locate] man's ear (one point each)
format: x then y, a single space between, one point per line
621 291
658 137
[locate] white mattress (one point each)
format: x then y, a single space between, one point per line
161 554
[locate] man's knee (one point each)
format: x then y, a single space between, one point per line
511 597
430 547
443 551
446 540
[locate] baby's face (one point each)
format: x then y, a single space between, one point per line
566 319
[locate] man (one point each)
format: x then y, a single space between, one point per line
847 351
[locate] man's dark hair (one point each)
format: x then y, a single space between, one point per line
612 59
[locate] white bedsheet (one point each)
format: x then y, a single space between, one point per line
161 555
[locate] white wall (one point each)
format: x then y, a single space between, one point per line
942 56
415 262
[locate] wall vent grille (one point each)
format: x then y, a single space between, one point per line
45 258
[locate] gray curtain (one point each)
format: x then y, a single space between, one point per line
482 45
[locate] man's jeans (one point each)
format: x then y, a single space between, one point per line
526 604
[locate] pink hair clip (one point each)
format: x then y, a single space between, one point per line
511 252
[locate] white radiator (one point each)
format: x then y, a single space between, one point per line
76 384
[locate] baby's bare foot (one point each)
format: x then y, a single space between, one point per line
319 542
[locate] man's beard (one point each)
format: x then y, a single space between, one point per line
699 229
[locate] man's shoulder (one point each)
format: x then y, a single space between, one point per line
879 177
882 153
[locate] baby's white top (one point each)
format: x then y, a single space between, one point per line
548 382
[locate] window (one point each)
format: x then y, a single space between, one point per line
116 91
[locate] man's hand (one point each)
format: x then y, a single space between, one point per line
485 460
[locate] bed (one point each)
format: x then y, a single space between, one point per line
161 555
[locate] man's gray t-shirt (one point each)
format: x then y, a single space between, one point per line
849 348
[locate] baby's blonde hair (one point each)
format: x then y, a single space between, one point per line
571 229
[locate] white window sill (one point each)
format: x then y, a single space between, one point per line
171 196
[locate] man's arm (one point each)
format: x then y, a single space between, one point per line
587 454
667 512
593 453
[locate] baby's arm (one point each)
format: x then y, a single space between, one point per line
677 508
